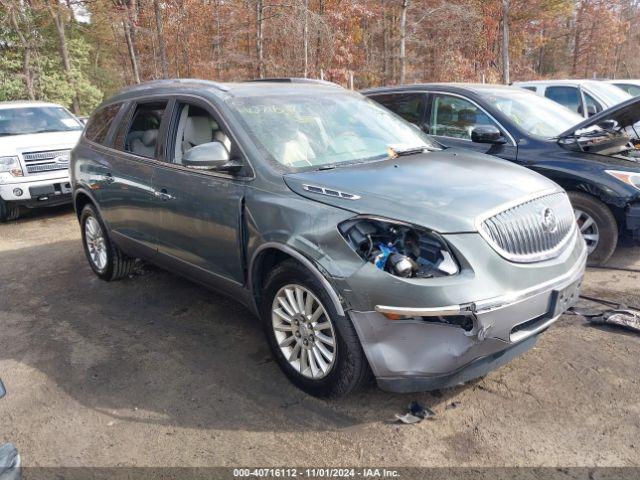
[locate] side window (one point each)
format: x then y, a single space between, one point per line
409 106
630 89
195 126
592 104
456 117
567 96
142 135
98 126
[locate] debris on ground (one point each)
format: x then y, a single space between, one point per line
621 317
416 413
452 405
9 462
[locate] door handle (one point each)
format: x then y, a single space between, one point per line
163 195
108 178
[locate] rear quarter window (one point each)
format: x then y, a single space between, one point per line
97 128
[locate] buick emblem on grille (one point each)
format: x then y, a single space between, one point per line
549 221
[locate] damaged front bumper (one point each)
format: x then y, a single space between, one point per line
435 347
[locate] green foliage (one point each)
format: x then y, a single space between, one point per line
50 81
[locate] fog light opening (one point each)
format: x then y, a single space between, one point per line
17 192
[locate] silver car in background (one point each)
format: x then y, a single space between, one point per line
585 97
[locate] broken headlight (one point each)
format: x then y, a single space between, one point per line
398 248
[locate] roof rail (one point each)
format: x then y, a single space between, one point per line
293 80
173 81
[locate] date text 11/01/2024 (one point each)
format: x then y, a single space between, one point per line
315 473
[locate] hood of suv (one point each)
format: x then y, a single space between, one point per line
35 142
443 190
586 137
625 114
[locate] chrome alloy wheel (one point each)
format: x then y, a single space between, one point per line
304 331
588 229
96 244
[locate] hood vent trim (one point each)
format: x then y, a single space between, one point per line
330 192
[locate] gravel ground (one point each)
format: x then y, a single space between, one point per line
157 371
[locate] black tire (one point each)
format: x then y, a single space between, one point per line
605 223
350 368
8 211
118 264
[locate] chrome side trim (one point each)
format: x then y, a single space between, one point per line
424 312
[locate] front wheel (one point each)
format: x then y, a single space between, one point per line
8 211
106 260
315 347
597 226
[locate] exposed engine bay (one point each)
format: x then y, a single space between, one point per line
614 143
614 133
399 249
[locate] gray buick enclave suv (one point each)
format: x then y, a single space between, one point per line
362 244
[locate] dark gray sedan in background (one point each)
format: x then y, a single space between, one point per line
362 245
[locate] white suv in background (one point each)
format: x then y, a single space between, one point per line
585 97
35 141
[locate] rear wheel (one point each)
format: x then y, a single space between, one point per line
106 260
317 348
597 226
8 211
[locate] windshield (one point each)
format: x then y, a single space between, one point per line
25 120
535 115
301 131
611 94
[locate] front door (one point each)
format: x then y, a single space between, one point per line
198 213
452 118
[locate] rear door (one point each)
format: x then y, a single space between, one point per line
126 193
452 117
198 213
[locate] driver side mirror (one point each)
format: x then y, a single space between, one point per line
212 156
487 134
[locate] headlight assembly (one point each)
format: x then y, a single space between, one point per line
11 165
399 248
630 178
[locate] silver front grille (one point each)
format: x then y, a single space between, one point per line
37 162
531 231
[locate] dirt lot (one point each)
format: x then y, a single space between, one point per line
155 370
